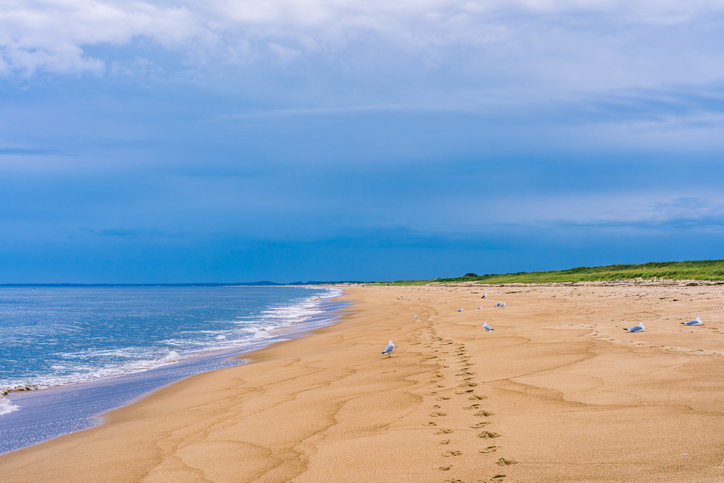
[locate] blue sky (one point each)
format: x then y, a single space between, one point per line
161 141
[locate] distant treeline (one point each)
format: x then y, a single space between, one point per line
687 270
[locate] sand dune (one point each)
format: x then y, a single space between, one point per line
558 392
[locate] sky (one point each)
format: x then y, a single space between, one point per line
296 140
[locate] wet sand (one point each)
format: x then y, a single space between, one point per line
557 392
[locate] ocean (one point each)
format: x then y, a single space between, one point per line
68 354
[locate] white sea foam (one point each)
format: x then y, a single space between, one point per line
172 356
6 406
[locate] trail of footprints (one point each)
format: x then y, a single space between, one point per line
454 386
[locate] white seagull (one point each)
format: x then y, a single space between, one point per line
485 296
388 349
416 317
460 310
486 326
479 308
636 328
696 321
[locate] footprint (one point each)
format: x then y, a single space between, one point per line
437 414
488 434
479 398
445 431
445 441
445 468
431 423
437 406
498 478
442 398
472 406
452 453
483 414
489 449
464 392
480 425
504 462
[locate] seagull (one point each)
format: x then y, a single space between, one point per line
416 317
696 321
388 350
503 304
486 326
636 328
485 296
479 308
460 310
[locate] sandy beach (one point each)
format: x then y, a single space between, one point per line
556 392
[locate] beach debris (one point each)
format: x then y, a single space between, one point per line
388 349
485 296
460 310
636 328
486 326
696 321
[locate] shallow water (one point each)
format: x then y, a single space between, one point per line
96 349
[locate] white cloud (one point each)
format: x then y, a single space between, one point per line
53 35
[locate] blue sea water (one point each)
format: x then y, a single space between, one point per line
85 350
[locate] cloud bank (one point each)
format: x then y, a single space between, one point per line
63 36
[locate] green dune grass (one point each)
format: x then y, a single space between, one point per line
687 270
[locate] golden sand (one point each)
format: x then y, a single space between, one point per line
556 392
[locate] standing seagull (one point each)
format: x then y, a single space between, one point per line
388 350
485 296
636 328
416 317
696 321
486 326
460 310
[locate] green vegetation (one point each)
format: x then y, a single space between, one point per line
688 270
